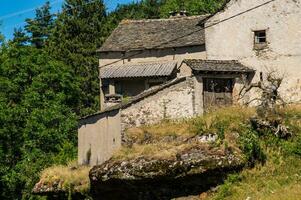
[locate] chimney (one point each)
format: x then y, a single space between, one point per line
178 14
181 13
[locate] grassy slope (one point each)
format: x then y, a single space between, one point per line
280 177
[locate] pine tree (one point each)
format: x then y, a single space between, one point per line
20 38
76 37
40 27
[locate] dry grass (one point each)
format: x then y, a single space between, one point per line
159 150
168 128
165 140
76 177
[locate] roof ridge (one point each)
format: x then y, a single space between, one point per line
127 21
144 63
213 60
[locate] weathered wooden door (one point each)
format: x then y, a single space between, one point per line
217 92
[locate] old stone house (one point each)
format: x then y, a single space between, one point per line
140 54
180 67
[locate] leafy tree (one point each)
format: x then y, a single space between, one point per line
38 125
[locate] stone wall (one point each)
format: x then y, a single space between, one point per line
233 39
172 102
103 133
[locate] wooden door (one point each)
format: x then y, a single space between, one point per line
217 92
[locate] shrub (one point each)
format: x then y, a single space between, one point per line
250 146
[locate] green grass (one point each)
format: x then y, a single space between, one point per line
279 178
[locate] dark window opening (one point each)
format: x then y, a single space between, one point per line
219 85
260 37
105 86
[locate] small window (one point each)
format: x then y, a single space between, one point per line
260 39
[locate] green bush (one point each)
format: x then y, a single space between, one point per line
250 145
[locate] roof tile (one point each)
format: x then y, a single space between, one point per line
156 34
138 70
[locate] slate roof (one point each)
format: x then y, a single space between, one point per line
138 70
156 34
217 65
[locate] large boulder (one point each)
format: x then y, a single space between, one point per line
191 172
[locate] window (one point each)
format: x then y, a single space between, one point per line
260 39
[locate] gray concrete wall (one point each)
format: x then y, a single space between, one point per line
99 136
234 39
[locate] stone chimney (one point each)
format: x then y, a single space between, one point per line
181 13
177 14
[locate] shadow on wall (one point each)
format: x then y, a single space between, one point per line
98 137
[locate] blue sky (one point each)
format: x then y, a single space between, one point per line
14 12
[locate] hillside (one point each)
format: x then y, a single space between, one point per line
209 148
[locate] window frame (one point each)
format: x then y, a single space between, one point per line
256 39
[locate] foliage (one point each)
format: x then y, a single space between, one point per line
75 38
37 122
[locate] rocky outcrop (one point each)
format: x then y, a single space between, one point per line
190 173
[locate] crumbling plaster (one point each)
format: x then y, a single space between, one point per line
233 39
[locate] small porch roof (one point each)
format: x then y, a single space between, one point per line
138 70
221 66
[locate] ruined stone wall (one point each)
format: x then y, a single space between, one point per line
233 39
176 101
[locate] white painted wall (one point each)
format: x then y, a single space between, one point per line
233 39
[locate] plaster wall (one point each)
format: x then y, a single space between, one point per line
98 137
153 55
233 39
